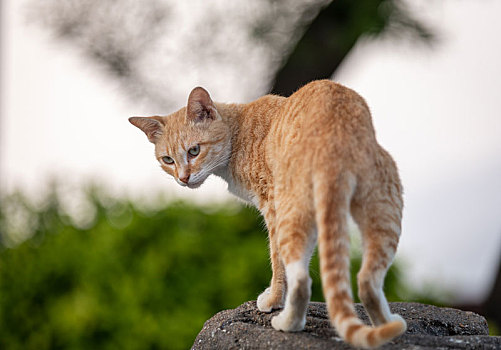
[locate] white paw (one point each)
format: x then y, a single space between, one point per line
287 323
265 303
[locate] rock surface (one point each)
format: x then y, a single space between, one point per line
429 327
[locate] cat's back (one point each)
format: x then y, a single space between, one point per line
328 105
323 112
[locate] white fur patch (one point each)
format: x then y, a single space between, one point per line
384 305
295 272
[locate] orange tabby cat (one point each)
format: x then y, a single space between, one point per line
306 162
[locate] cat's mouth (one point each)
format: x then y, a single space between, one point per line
190 184
194 181
197 180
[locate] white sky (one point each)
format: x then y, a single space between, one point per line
436 111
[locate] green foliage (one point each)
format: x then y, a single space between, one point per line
128 278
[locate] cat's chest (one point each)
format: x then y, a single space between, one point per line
238 189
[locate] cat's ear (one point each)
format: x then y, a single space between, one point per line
200 106
151 126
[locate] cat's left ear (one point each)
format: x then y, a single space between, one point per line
200 106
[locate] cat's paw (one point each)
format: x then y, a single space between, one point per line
268 301
287 323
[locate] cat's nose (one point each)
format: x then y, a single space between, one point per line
185 179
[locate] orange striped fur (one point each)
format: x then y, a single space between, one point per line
306 162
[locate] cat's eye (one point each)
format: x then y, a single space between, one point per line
194 151
168 160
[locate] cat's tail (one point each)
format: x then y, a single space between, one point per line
332 205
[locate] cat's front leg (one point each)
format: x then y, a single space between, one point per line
273 297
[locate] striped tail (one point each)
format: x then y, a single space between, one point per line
353 331
332 206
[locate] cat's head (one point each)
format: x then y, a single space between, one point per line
192 143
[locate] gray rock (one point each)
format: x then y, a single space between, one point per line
429 327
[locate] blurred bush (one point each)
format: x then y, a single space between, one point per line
129 277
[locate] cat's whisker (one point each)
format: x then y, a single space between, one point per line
216 164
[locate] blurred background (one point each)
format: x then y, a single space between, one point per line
100 249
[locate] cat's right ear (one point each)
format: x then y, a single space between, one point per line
151 126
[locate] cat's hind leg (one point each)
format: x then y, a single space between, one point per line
379 219
296 242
